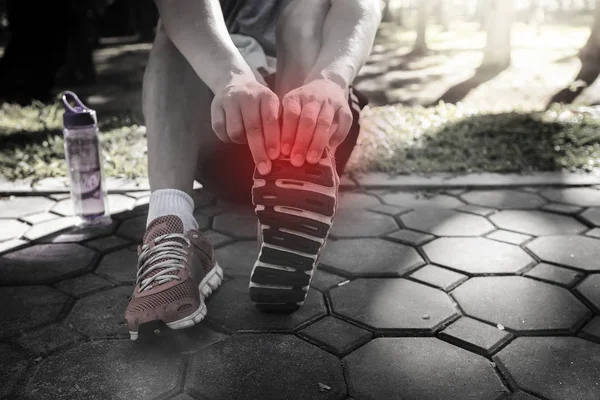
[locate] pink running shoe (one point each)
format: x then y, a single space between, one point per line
176 272
295 208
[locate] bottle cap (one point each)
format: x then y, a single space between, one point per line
77 116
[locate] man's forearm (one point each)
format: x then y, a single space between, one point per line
348 35
198 30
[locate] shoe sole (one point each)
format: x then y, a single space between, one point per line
295 208
209 284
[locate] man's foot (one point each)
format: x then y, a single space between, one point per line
295 208
176 272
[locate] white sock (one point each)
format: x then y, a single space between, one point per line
172 202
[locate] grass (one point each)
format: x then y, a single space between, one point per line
459 139
395 139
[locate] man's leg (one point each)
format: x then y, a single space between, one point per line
299 36
176 267
176 105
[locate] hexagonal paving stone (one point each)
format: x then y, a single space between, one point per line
393 304
323 280
360 223
508 237
101 314
231 307
117 203
133 228
590 289
520 304
241 369
421 200
593 233
438 277
240 224
48 338
410 237
202 220
520 395
82 285
217 239
12 245
119 267
12 365
552 273
592 215
108 243
503 199
561 208
419 368
50 227
388 209
477 210
15 207
237 259
592 330
442 222
371 257
475 335
572 251
107 370
357 200
45 263
25 307
477 255
561 368
11 228
585 197
78 234
537 223
336 335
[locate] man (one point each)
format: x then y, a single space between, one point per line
210 118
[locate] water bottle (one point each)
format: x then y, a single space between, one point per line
84 161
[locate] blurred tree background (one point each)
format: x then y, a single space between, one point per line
454 85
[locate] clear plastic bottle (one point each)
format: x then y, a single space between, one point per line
84 160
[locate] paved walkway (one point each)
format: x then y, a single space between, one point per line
456 295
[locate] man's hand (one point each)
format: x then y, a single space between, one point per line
314 116
246 111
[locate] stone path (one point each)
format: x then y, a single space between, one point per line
448 295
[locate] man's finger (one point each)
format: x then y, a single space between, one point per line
306 128
291 115
344 120
217 117
234 123
254 134
322 134
270 122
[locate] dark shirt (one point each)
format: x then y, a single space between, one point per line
255 18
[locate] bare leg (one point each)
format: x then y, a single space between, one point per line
299 37
176 105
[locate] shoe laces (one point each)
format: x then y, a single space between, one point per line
166 256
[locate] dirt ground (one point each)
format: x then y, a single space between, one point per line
541 66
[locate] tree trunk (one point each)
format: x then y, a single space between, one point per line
499 22
591 50
386 14
441 11
420 46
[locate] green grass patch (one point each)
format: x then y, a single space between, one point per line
458 139
395 139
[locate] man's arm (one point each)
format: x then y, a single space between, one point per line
348 35
243 109
317 114
197 29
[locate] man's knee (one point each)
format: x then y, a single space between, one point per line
302 19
